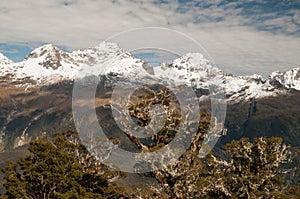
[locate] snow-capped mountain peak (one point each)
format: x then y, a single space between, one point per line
49 56
289 79
292 78
98 55
44 51
106 58
196 60
109 47
193 69
197 67
46 64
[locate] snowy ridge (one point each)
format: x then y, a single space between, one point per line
289 79
44 64
196 62
97 55
4 60
195 70
104 59
249 87
48 64
192 68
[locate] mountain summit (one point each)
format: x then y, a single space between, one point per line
49 56
289 79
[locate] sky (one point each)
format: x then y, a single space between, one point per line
243 37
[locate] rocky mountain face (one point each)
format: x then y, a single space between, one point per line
37 92
289 79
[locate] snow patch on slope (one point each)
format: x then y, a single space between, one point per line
4 60
289 79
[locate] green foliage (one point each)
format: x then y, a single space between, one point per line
56 170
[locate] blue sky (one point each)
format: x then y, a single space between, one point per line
18 51
155 57
15 52
243 37
149 57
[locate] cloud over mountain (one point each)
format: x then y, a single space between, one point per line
243 37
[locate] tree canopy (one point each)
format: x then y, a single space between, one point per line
252 171
61 168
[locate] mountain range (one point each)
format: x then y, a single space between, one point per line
37 92
36 95
48 64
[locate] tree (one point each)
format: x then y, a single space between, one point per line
58 169
254 168
252 172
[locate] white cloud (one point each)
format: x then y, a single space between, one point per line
84 23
